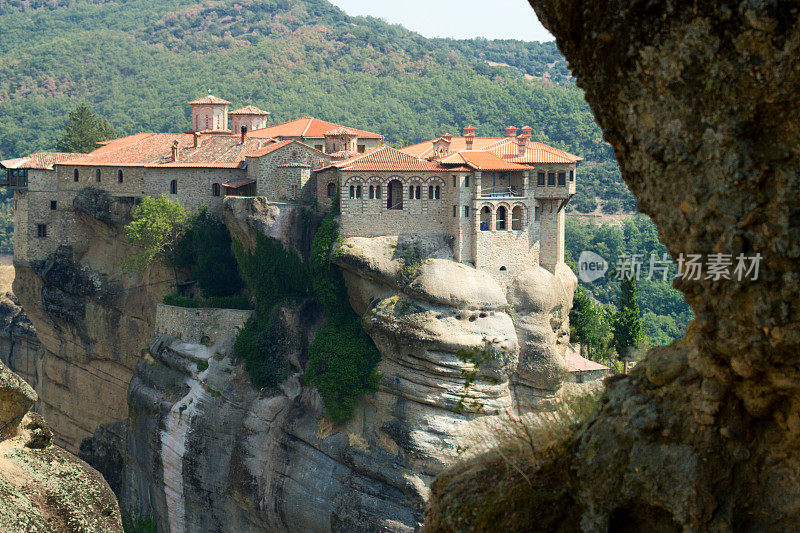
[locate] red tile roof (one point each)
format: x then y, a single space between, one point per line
306 127
241 182
249 110
504 147
155 150
40 160
389 159
479 160
342 130
269 148
209 100
577 363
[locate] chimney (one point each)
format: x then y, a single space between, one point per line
524 139
174 150
196 140
244 134
511 131
469 136
448 137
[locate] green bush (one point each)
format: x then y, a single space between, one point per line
262 345
342 357
206 251
272 273
133 522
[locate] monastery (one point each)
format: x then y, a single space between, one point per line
500 200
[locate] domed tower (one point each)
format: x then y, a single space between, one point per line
209 113
250 116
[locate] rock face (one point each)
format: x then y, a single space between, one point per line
20 349
93 318
211 453
42 487
699 102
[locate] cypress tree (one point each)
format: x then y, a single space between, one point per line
83 130
627 324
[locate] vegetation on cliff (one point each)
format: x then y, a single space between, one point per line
343 357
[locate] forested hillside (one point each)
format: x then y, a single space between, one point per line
137 62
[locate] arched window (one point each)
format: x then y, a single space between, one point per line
173 187
516 217
97 175
358 191
215 189
500 221
352 192
430 192
436 193
414 192
394 195
417 192
119 176
371 192
377 192
331 190
486 219
75 176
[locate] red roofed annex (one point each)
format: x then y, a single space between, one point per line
499 199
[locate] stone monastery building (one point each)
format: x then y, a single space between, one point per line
500 200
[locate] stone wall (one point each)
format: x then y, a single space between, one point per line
205 326
271 178
551 233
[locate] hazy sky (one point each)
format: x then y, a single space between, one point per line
495 19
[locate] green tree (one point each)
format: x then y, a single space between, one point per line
627 324
590 325
157 228
83 131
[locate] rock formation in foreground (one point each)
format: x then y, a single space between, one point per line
209 452
42 487
699 101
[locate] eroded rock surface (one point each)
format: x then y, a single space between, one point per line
211 453
92 316
42 487
699 102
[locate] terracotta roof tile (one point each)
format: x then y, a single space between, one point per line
241 182
577 363
504 147
209 100
248 110
479 160
342 130
40 160
387 158
155 150
306 127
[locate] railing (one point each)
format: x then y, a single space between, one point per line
501 192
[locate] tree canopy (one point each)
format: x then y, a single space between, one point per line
83 130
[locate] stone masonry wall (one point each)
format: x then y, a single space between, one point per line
551 233
199 326
265 170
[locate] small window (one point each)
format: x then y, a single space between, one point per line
358 191
417 192
173 187
41 231
75 176
455 211
294 157
454 180
541 179
318 147
436 193
361 148
352 192
430 192
53 205
466 181
371 192
466 211
377 192
119 176
551 179
331 190
537 214
215 189
516 218
562 179
502 269
97 175
486 219
410 192
571 176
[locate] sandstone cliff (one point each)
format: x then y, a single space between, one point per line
92 316
209 452
42 487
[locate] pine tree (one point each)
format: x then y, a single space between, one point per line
589 325
627 323
83 131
